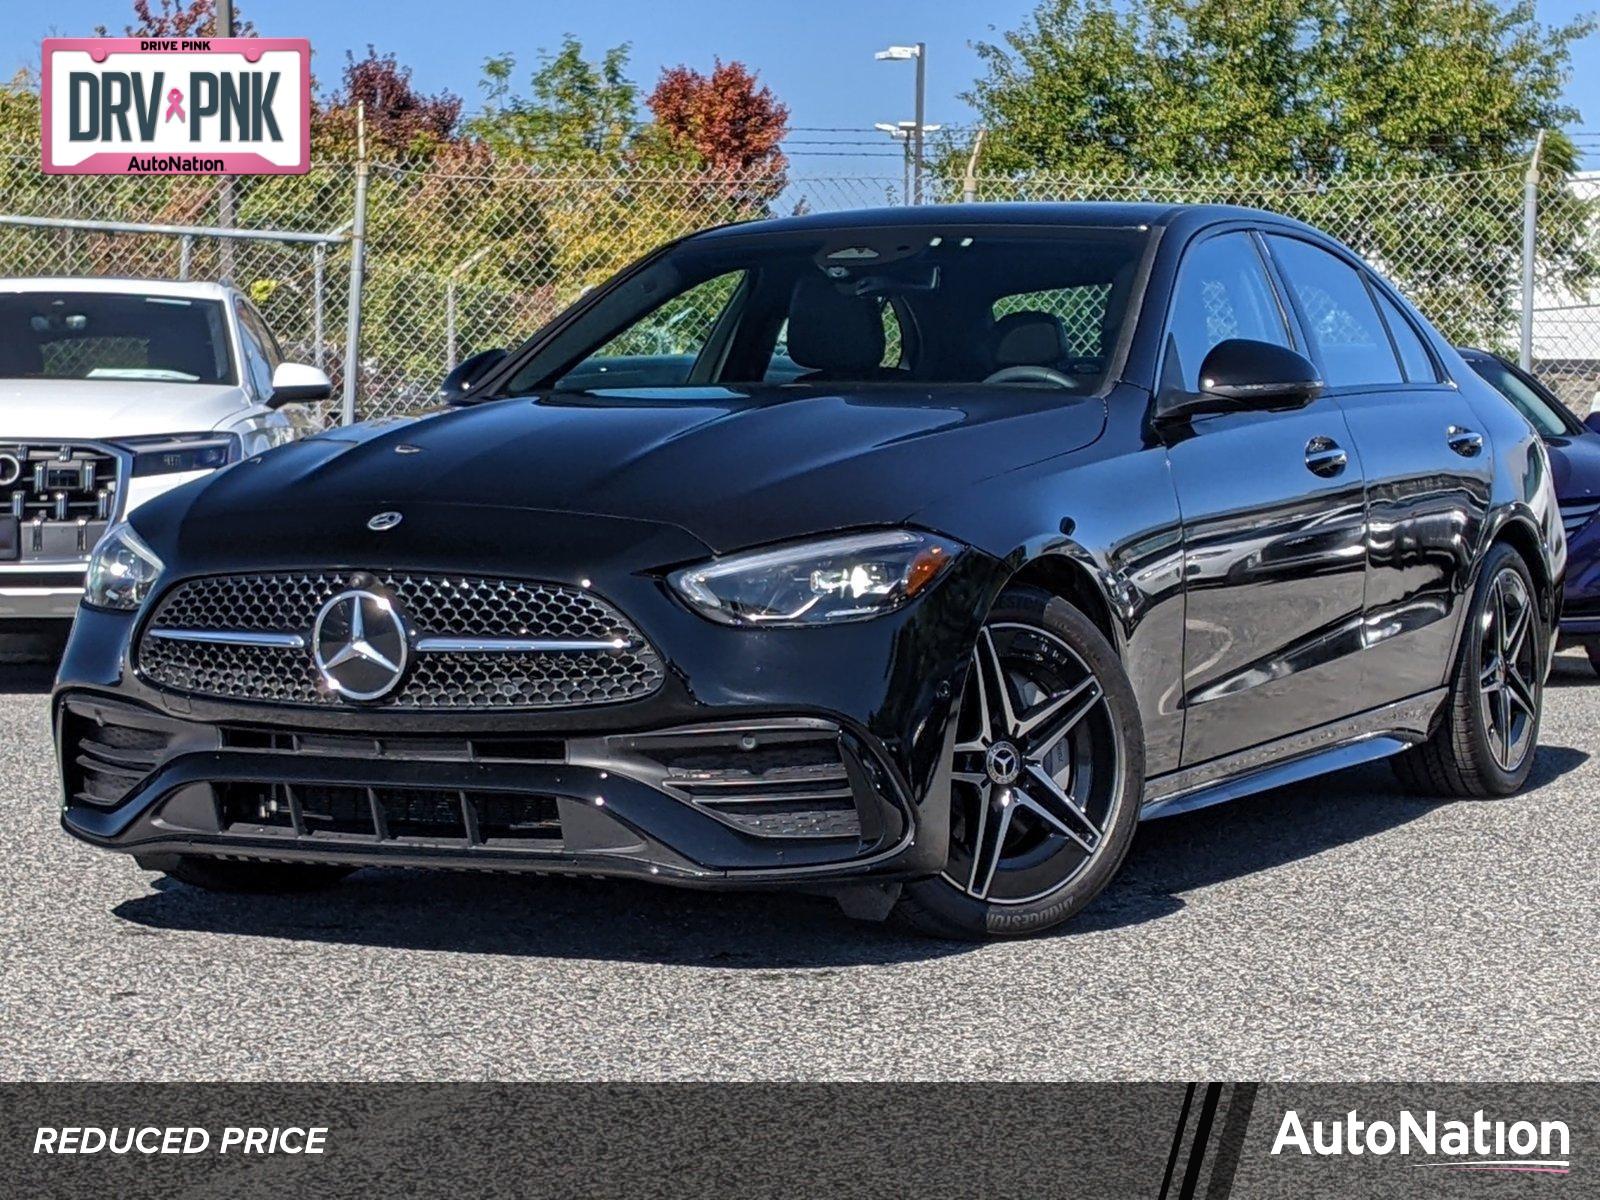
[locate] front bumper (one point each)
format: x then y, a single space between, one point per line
768 756
40 595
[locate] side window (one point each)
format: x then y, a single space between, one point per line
257 355
1414 356
258 325
1223 292
1341 320
660 348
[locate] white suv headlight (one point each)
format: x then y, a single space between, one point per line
850 578
122 570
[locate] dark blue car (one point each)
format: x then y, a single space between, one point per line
1575 463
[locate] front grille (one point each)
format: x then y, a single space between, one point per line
1575 514
59 497
435 606
390 814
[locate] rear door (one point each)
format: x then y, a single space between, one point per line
1273 520
1427 465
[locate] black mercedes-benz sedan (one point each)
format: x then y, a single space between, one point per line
910 555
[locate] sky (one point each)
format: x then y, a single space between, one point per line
815 54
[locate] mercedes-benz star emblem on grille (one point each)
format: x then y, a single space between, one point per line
359 645
10 469
385 520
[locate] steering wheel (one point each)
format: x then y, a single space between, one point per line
1030 373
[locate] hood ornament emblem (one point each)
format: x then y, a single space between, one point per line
384 520
359 645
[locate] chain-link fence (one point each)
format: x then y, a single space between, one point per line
466 253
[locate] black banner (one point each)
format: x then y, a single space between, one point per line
1151 1141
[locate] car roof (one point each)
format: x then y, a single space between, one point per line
1108 214
185 289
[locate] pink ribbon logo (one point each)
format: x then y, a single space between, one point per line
175 105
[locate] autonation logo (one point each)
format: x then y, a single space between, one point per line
1480 1144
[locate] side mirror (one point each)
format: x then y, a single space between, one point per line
1240 375
1592 421
459 382
296 383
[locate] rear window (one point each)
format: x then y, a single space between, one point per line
88 335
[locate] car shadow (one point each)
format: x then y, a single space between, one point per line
1571 670
614 920
1180 854
25 679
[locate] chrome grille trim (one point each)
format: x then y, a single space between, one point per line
63 494
444 645
481 642
232 637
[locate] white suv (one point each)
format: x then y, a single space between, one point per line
113 391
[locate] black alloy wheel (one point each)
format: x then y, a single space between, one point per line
1046 778
1484 742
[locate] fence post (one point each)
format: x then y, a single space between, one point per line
1530 226
185 256
969 181
452 304
319 285
450 324
358 255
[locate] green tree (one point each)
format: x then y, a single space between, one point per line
1205 99
1306 87
577 112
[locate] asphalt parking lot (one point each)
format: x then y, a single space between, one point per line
1339 929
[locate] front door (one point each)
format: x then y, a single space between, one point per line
1274 527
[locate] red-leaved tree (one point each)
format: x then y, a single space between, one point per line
180 19
733 125
401 120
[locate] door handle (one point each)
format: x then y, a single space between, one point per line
1325 457
1466 442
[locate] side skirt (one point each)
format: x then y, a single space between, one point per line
1377 733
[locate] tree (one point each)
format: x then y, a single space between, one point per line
578 113
179 19
1203 99
733 126
611 187
401 121
1320 87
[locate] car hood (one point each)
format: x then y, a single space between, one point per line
1575 466
733 469
102 409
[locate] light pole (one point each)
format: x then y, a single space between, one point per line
903 133
920 53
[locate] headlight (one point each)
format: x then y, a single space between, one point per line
122 570
847 578
176 452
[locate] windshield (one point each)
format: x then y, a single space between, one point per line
1540 410
924 306
89 335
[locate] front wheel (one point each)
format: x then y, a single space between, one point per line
1047 778
1486 737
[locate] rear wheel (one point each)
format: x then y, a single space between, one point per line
223 875
1047 777
1485 741
1593 651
